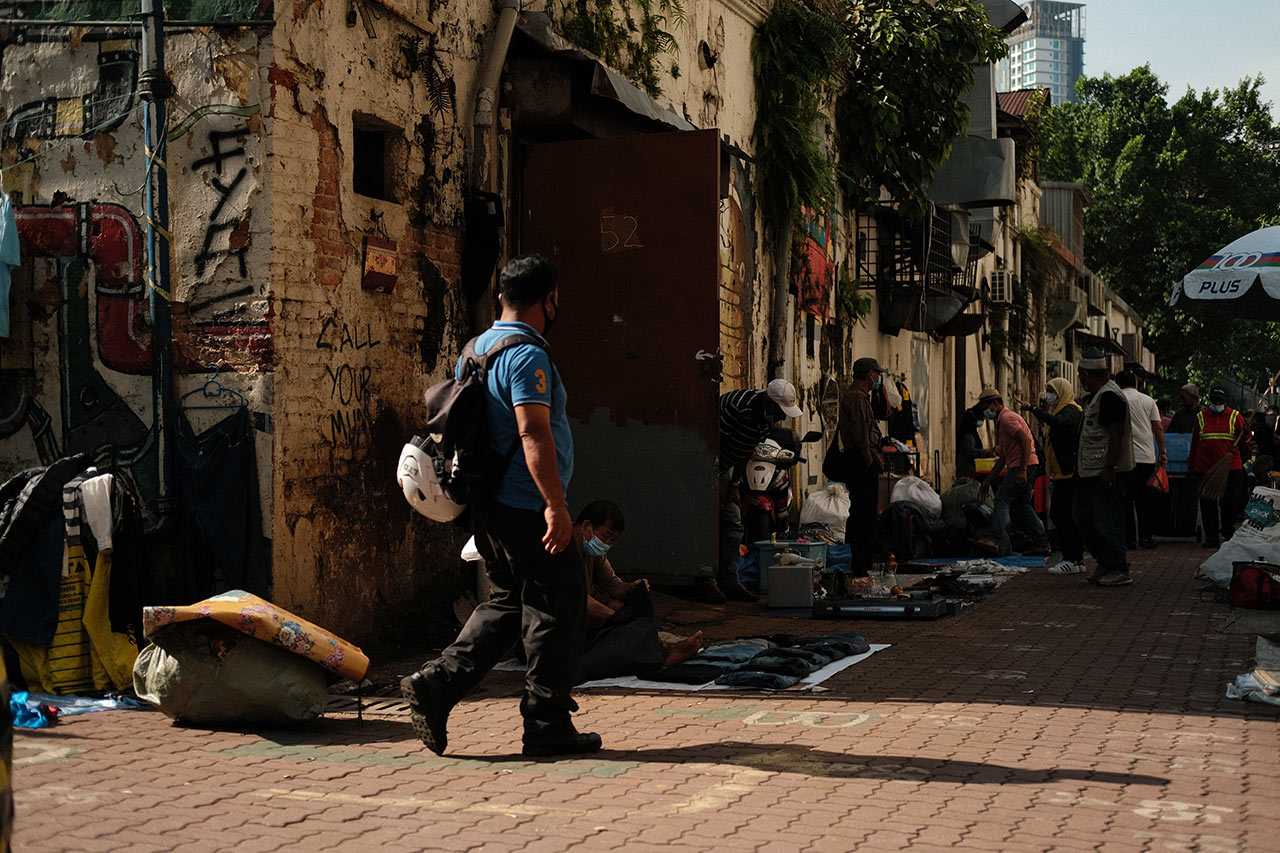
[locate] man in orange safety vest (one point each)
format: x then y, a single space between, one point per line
1219 430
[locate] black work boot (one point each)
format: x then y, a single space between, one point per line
570 742
428 710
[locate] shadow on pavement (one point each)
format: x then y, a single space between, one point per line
789 758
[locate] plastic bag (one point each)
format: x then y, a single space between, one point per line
1238 549
830 506
1261 516
916 491
1159 480
204 672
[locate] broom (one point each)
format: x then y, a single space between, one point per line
1214 484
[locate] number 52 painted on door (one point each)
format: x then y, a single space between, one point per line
618 231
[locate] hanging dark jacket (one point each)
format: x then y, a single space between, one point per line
31 498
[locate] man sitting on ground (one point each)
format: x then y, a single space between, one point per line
618 640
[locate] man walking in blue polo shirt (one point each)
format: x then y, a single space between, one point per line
525 536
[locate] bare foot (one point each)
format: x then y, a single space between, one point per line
674 653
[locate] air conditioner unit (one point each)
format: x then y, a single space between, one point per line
1001 286
1097 295
1055 369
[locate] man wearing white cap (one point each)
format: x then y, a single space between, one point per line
745 420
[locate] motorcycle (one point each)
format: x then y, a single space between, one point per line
767 496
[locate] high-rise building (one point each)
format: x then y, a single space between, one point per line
1047 52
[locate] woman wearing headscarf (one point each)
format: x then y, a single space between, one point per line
1060 412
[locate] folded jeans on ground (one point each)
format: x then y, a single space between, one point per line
765 680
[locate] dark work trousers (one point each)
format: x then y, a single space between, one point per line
538 599
1099 516
1219 517
1139 508
1062 513
860 531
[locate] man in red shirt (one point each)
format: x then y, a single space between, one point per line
1016 456
1219 430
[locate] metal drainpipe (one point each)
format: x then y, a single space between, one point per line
486 106
154 87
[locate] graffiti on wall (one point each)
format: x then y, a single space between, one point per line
77 375
349 425
813 263
226 295
101 242
102 108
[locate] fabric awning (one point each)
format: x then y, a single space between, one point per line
605 82
1085 339
1138 370
1005 15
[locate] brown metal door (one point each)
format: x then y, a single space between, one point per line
632 225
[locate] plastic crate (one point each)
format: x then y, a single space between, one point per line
767 550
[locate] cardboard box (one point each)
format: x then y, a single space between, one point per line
790 586
887 482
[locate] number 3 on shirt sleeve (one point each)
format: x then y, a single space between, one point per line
541 376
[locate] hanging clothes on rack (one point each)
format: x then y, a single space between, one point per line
217 484
10 256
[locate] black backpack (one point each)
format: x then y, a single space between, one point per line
465 464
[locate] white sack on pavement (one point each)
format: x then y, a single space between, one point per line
829 506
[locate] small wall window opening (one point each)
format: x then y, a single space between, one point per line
378 157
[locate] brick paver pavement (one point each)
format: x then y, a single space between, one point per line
1056 716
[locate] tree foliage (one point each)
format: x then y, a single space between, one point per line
902 102
898 71
1171 184
796 56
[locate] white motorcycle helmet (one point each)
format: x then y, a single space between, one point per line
417 479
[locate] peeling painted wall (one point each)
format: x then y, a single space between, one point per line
268 261
76 373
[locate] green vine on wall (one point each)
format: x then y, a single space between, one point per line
852 303
629 35
796 57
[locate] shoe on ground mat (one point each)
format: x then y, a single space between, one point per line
1038 551
1067 567
1115 578
427 710
578 743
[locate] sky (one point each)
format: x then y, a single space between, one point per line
1204 44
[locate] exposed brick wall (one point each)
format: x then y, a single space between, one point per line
352 364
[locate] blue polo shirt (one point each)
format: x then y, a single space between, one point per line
524 375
